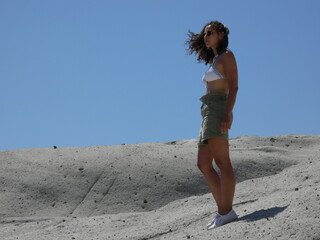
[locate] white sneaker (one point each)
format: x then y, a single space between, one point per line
213 220
223 219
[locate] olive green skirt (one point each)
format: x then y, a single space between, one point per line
213 111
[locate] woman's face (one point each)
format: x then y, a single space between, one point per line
211 37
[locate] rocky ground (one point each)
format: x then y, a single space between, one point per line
155 191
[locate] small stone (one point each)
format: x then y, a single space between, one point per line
296 189
81 169
188 236
145 201
272 139
175 156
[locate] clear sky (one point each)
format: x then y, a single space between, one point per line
87 73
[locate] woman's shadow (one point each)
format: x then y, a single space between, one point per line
262 214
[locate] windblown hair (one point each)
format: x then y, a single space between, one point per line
196 42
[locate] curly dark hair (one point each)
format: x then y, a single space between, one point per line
196 42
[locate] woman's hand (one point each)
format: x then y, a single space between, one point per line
226 123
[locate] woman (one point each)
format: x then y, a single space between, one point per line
221 81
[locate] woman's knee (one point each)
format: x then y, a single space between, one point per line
224 164
204 167
204 159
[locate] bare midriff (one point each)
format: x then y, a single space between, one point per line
220 85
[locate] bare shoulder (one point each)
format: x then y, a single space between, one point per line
228 56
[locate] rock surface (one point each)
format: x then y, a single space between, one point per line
155 191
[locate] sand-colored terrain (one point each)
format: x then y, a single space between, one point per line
155 191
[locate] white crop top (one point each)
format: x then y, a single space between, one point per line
211 74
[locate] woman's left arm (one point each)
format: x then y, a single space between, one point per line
231 74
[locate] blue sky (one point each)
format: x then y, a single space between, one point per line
87 73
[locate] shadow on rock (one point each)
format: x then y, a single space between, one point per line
261 214
250 169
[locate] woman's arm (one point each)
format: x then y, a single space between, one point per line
231 73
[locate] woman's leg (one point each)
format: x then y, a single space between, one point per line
219 148
205 158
